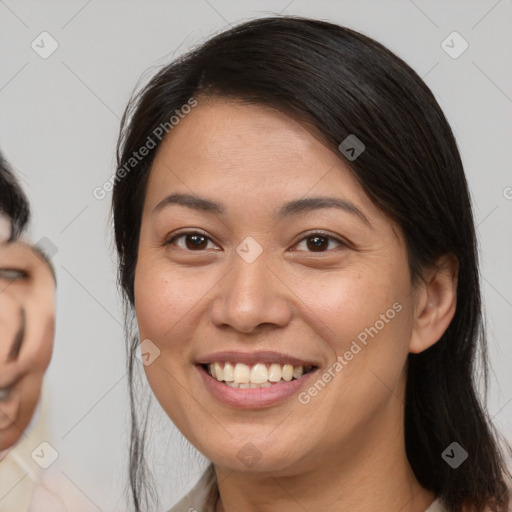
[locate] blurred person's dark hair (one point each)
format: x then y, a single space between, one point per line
13 201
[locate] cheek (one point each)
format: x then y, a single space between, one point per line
343 305
30 394
39 357
366 319
9 324
45 353
166 302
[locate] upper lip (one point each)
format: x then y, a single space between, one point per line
251 358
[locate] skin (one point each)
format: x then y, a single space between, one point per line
344 450
26 282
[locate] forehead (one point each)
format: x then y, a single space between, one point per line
230 130
20 253
239 151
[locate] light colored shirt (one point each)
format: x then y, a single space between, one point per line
203 497
23 486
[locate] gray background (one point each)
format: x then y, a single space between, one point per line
58 127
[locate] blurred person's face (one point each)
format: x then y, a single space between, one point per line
27 317
245 330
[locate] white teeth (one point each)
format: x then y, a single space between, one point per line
245 385
240 375
217 371
229 372
287 372
298 371
274 372
262 385
259 374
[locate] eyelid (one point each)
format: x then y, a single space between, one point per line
169 239
342 241
325 234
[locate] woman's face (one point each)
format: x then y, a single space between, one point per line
260 286
27 319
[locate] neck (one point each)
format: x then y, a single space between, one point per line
392 489
369 473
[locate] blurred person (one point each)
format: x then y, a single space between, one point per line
27 328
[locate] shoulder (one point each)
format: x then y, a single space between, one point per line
439 506
436 506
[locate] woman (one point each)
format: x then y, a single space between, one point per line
296 244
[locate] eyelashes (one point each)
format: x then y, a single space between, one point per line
321 235
198 235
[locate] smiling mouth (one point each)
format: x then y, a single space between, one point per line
260 375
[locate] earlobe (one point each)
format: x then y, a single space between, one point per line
435 305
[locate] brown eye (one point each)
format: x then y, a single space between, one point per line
194 241
319 242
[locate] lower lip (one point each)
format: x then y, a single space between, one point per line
252 398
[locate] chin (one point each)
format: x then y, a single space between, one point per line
249 457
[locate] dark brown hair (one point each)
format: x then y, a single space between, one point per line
13 202
341 82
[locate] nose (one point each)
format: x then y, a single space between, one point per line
251 297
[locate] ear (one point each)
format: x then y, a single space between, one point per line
436 300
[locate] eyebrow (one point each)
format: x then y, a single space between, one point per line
296 207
